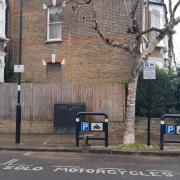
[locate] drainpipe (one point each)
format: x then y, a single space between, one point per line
6 33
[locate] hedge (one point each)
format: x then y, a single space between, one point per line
163 94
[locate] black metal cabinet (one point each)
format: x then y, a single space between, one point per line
65 117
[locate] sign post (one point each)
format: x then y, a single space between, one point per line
149 73
19 68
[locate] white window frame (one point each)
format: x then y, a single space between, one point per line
156 15
2 65
2 19
48 26
158 11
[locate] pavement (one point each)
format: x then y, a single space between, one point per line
66 143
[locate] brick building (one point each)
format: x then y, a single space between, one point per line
60 44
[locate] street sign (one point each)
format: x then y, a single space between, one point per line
96 126
177 129
170 129
19 68
149 70
85 126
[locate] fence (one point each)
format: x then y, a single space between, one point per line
38 100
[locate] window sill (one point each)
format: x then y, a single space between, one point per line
3 38
54 41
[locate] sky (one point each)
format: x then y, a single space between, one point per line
177 35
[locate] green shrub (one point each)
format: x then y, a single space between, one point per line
162 93
10 76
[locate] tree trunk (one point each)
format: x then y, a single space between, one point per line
129 135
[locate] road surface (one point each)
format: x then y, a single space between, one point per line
83 166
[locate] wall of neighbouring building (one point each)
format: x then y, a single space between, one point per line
87 58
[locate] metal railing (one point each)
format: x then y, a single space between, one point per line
87 126
169 129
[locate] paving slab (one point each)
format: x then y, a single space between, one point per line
66 143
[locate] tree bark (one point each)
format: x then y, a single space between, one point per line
129 135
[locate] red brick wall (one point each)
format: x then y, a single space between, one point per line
87 58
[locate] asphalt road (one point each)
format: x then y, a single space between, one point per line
83 166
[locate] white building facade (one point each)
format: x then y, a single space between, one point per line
154 16
3 38
157 12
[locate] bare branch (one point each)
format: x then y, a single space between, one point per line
153 44
133 26
134 8
150 30
127 11
82 2
78 2
110 42
166 19
143 57
177 20
176 6
170 9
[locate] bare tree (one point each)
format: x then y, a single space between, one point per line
139 56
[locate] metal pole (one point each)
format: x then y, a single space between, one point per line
77 131
149 114
149 94
18 106
106 133
162 135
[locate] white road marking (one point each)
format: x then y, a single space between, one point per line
27 154
11 166
114 171
166 171
10 162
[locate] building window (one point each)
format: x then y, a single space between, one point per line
158 21
54 25
155 21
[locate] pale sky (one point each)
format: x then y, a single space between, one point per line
177 35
